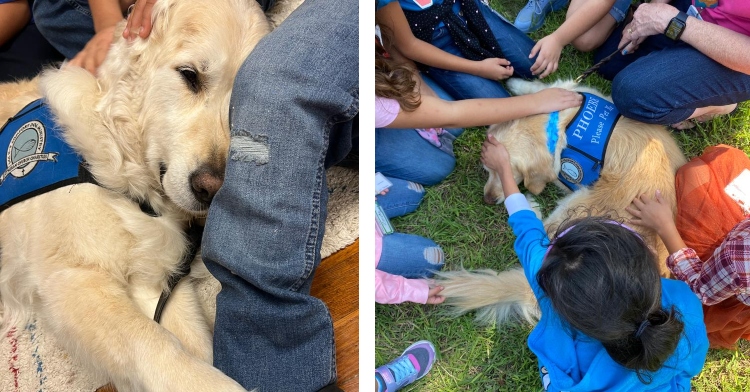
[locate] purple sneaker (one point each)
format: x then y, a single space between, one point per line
412 365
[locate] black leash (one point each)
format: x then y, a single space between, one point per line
194 233
601 62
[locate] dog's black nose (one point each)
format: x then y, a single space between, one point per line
205 182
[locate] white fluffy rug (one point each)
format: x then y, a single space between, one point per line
34 362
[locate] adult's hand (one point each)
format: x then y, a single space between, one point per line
139 20
649 19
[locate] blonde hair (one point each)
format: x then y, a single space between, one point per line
394 79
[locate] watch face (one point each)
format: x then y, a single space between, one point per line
674 28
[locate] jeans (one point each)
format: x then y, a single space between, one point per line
66 24
25 55
410 256
403 153
664 81
403 197
69 26
514 43
264 229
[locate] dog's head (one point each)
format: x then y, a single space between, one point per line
530 161
164 100
526 141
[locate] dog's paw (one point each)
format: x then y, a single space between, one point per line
519 86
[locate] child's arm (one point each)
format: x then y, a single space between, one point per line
435 112
495 157
530 235
13 18
106 14
577 23
656 214
392 17
396 289
725 274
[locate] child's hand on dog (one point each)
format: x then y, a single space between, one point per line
494 155
656 214
433 297
554 99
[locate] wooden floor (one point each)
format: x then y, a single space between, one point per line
336 282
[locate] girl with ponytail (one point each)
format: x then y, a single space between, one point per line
608 322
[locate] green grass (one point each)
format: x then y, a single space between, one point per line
475 235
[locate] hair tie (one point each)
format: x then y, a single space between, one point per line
645 323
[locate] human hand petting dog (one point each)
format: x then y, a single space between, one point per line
139 20
496 158
95 51
433 297
656 214
555 99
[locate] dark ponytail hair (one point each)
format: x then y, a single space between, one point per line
602 279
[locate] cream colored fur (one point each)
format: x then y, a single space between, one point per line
85 258
640 158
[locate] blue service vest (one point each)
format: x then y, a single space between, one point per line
588 134
37 158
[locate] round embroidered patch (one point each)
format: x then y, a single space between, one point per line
571 170
25 149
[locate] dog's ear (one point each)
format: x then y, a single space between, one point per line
160 18
536 169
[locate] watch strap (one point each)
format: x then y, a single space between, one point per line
676 26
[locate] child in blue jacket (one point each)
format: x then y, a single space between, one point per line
609 322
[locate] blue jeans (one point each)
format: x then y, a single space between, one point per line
403 197
262 239
664 81
514 43
66 24
69 26
402 153
410 256
25 55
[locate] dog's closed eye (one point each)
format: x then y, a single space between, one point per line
191 78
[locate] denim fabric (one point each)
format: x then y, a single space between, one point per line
66 24
410 256
620 10
24 55
514 43
403 154
403 197
664 81
265 225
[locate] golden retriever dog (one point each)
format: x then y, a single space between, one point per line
153 129
639 158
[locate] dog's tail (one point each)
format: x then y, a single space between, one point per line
497 297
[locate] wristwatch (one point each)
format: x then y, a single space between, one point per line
676 26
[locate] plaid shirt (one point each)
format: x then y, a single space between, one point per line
725 274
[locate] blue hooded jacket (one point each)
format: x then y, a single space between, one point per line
572 361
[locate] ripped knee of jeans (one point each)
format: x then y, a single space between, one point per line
247 147
434 255
415 187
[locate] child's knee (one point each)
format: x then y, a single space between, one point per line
435 256
587 42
